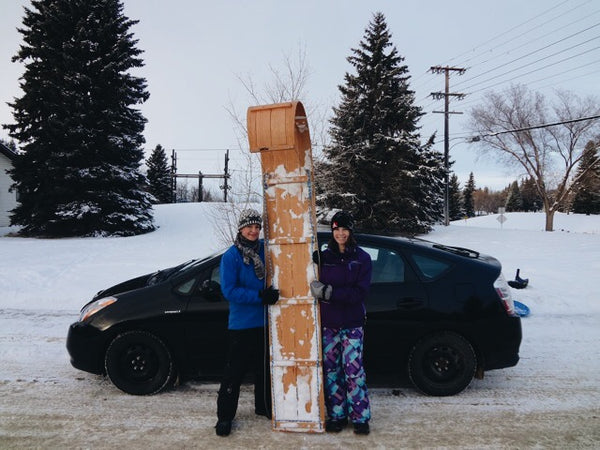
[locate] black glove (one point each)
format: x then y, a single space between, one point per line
269 296
316 256
321 291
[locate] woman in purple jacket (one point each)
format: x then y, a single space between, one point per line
342 290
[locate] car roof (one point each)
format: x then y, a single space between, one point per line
404 242
380 239
414 243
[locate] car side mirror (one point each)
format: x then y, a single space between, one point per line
211 290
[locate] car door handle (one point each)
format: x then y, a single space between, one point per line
409 303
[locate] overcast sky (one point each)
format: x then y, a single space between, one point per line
195 53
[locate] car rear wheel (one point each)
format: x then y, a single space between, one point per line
139 363
442 364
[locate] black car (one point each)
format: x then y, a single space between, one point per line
439 314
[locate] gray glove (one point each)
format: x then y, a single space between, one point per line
321 291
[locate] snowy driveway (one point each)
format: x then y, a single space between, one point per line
551 399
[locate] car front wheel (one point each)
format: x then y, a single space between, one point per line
442 364
139 363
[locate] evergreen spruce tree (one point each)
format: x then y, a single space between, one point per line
587 189
159 176
468 201
455 202
514 202
376 166
431 176
530 197
77 123
9 144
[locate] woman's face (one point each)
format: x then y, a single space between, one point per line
341 235
251 232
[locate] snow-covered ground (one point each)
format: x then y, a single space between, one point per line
551 399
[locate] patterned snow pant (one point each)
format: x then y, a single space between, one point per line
345 380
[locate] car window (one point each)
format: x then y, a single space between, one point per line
186 287
211 287
215 275
388 265
430 267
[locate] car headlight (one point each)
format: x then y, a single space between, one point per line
95 306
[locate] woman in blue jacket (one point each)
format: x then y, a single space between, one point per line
242 275
343 287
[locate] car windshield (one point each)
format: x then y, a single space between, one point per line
164 274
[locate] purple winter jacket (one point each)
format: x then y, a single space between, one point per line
350 276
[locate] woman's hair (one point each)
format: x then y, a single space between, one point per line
333 245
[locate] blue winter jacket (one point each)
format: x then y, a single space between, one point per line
349 274
240 286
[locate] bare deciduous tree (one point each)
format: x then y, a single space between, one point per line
488 202
508 125
288 82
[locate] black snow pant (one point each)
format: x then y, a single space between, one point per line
247 351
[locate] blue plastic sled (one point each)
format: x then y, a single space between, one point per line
521 309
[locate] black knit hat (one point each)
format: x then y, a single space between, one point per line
249 217
342 219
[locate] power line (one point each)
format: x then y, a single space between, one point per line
553 32
536 51
555 63
465 84
490 50
534 127
472 100
595 72
531 71
511 30
202 149
531 30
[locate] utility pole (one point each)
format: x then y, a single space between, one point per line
446 96
226 176
173 179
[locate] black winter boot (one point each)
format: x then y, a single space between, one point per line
335 426
223 427
361 428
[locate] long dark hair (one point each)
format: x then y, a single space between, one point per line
333 245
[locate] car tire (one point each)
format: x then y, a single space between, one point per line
442 364
139 363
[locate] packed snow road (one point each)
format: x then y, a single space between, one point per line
551 399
